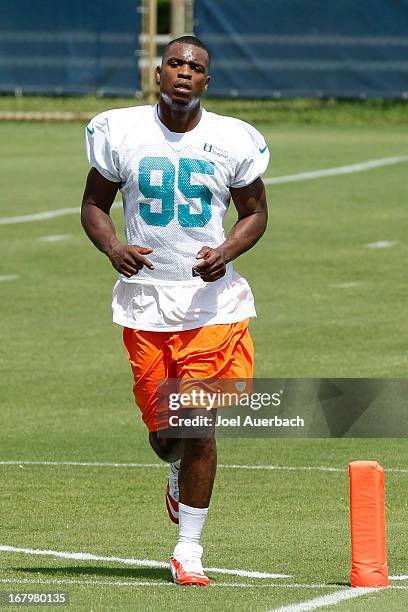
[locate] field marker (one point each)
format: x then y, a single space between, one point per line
135 562
326 600
226 466
369 566
381 244
55 237
7 277
290 178
359 167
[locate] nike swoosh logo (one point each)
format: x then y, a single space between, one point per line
264 149
90 130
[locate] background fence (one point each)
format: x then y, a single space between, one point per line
70 46
286 48
261 48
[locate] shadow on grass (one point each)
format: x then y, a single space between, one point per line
150 573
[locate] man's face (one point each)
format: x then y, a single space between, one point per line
183 76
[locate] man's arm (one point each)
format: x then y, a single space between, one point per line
97 201
250 202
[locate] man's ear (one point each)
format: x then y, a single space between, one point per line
158 74
208 79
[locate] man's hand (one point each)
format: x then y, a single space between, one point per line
129 259
97 201
213 265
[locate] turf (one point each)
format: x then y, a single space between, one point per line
66 386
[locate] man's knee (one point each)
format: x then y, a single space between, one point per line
168 449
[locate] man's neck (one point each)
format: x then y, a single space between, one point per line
178 120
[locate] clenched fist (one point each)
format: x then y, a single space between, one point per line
213 265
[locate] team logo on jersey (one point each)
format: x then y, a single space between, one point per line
210 148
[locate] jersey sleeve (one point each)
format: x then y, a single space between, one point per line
253 159
99 148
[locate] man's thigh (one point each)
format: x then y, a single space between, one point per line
150 361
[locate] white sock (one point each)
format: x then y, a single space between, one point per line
191 523
175 465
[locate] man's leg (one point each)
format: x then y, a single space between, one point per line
190 481
218 351
196 479
231 351
197 471
150 360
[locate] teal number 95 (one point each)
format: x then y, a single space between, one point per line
165 191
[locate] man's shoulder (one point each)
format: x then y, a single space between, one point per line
122 118
239 133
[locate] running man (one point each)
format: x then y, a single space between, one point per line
184 310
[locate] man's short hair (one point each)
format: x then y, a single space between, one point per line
188 40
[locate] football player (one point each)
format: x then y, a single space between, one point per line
183 308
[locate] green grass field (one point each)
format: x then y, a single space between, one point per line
66 387
286 111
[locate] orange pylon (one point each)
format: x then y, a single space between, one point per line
367 518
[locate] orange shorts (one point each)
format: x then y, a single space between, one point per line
212 351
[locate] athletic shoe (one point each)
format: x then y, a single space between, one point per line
172 492
186 567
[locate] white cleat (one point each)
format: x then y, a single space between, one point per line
172 492
186 566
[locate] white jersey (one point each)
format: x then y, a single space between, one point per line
176 191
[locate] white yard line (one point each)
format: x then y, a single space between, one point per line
55 237
284 468
226 466
326 600
46 214
40 216
381 244
142 583
290 178
360 167
80 556
87 464
8 277
349 285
